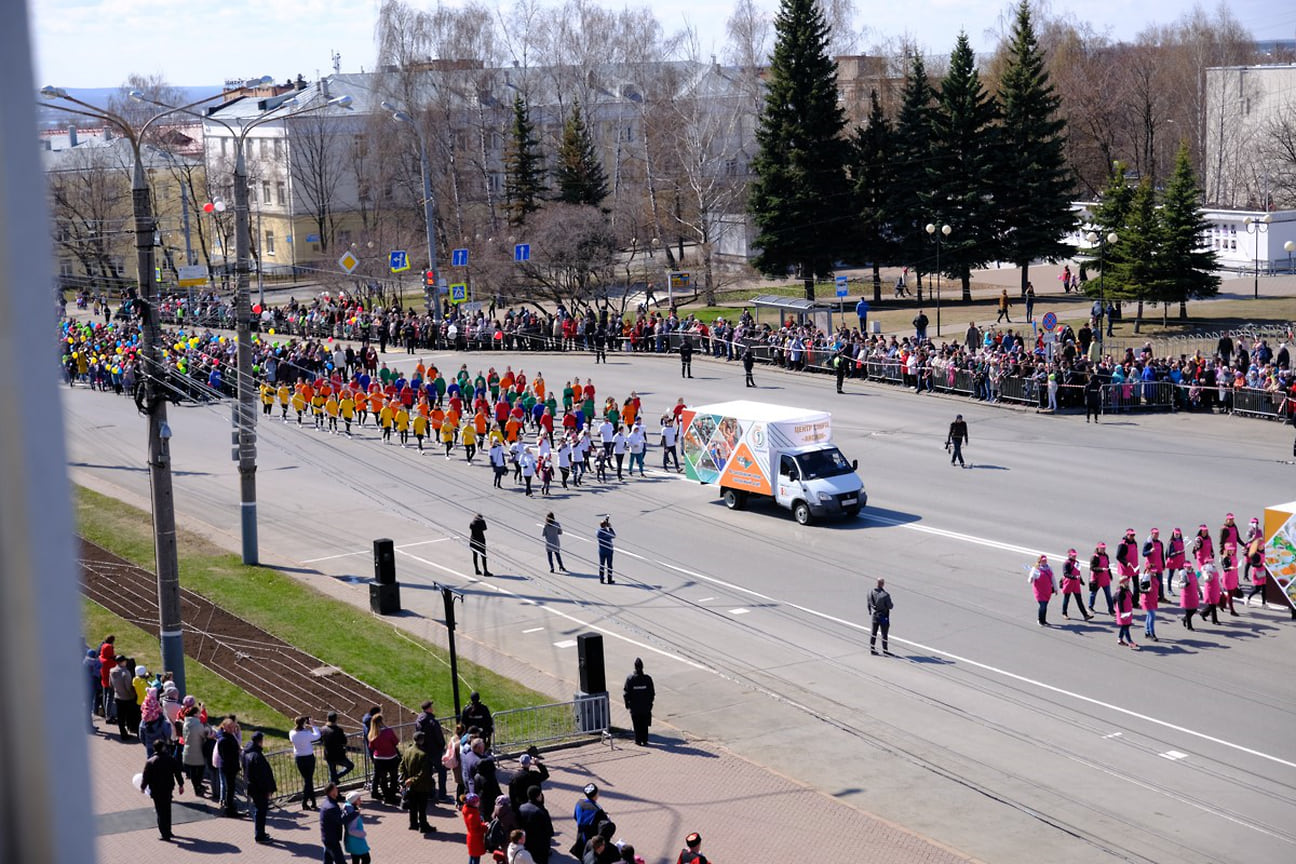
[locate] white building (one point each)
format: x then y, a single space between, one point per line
1245 108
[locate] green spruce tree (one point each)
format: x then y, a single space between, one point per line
1034 192
906 201
872 173
523 167
1189 263
1135 269
799 200
581 178
963 170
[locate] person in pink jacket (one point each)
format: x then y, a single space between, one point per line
1149 601
1127 555
1154 558
1100 577
1125 612
1210 593
1202 548
1175 558
1229 533
1228 577
1188 597
1043 586
1072 584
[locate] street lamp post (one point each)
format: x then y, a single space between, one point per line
1101 241
1257 227
429 203
1289 247
932 232
162 499
245 403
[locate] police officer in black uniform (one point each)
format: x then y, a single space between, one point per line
686 358
639 695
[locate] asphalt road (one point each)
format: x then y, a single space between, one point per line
1005 741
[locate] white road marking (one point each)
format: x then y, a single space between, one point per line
1173 755
1113 735
369 551
529 629
566 643
739 611
706 600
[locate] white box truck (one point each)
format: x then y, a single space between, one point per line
756 449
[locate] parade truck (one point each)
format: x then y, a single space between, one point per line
753 449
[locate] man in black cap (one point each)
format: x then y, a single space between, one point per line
588 816
260 784
161 776
533 773
879 607
434 743
957 437
692 851
475 713
639 695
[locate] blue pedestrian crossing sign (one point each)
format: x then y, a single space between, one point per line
522 252
458 257
458 292
841 286
399 261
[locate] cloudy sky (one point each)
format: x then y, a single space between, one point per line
97 43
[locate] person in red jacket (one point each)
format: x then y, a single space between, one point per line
474 828
107 660
1125 612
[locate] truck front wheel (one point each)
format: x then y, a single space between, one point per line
734 499
801 512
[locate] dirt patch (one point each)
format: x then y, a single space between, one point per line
285 678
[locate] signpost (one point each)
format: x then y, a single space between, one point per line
458 257
522 252
192 275
841 286
676 280
1050 321
458 292
348 262
399 262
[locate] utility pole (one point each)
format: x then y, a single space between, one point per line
448 596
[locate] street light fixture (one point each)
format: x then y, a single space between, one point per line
1257 227
1289 247
1102 243
246 416
944 232
429 203
162 500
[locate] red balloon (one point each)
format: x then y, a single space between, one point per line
209 207
256 310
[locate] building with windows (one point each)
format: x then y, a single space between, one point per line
1250 112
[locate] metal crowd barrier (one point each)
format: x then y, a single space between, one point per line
1253 402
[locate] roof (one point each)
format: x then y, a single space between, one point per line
795 304
108 153
766 412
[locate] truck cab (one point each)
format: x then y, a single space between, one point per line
817 482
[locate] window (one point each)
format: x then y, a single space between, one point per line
281 197
252 196
265 149
224 144
265 191
787 467
278 148
66 268
344 238
269 243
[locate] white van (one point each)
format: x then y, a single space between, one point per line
756 449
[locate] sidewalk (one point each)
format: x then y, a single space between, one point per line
656 796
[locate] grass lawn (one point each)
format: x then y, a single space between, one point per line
338 633
220 695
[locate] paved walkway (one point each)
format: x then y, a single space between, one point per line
655 795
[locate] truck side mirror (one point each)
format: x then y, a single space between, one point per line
854 464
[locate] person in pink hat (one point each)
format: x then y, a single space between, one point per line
1100 577
1043 586
1125 612
1229 533
1202 548
1253 543
1210 586
1154 561
1175 558
1228 577
1072 584
1127 555
1188 597
1149 601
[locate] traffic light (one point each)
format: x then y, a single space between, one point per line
429 279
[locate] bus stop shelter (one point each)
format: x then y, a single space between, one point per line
806 311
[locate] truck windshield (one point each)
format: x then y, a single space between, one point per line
823 463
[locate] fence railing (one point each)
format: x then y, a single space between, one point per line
515 730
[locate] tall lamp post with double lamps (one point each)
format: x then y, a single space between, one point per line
937 235
429 203
153 404
246 416
1257 227
1102 241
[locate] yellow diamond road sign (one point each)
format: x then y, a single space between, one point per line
348 262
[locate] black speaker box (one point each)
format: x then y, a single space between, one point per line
384 562
384 599
593 678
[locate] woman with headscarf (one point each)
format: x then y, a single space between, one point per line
153 723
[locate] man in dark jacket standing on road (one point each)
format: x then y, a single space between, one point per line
477 543
161 776
686 358
639 695
879 607
260 784
958 436
748 362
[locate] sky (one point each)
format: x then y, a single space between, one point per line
98 43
